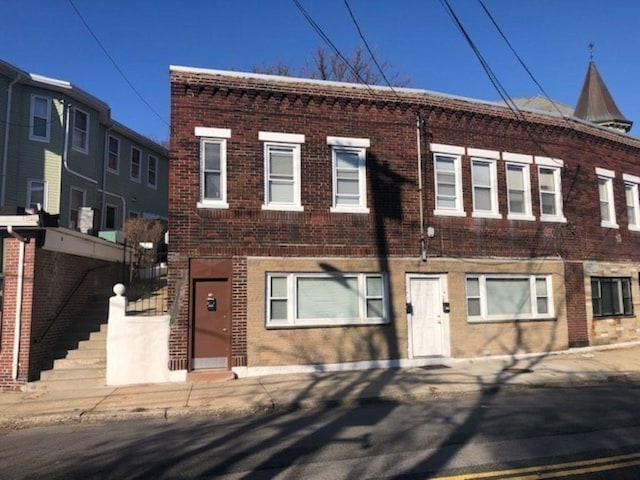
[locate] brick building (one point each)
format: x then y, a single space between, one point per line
319 225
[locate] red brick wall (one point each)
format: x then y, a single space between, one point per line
50 279
392 228
576 304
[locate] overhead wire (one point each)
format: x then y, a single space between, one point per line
117 67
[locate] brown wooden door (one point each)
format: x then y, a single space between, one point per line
212 324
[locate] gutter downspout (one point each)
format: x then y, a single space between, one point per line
18 319
5 153
423 243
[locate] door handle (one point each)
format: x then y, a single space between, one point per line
224 329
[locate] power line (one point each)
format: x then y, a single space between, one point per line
366 44
117 67
331 45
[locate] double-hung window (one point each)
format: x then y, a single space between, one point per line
110 217
282 170
550 185
448 179
348 159
321 299
152 172
611 296
518 185
605 195
631 193
113 161
484 183
501 297
213 166
37 194
40 127
80 130
76 201
135 166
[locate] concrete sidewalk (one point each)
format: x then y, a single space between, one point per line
284 392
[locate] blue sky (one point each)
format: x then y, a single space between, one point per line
144 37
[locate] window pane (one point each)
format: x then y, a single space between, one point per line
212 156
607 297
374 287
473 307
482 198
80 120
40 107
546 180
212 185
281 163
541 287
481 174
348 187
548 201
543 305
278 309
374 308
445 164
473 287
281 192
516 201
278 287
508 296
327 298
39 127
348 160
515 177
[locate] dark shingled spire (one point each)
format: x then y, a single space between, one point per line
596 104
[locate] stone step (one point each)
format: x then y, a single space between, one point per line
66 384
86 373
84 353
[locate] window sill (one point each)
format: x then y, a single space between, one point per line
217 205
554 218
364 210
39 139
511 319
284 208
634 228
495 216
84 151
516 216
449 213
609 225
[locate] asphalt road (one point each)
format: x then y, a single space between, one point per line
586 432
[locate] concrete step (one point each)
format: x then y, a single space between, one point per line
85 353
86 373
66 384
96 361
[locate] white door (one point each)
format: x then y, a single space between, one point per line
428 328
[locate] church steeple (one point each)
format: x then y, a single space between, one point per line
596 104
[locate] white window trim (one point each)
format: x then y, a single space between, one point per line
117 169
84 149
555 165
149 184
292 322
283 140
484 317
115 218
526 173
36 138
222 140
45 191
633 182
494 212
355 145
607 176
137 179
456 154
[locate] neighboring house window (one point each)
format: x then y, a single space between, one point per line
213 166
76 200
484 183
152 172
349 166
605 194
448 179
508 297
307 299
40 118
134 171
631 183
37 194
113 162
518 186
550 185
110 219
611 296
80 130
281 170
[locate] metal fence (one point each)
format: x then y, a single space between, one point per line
147 285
